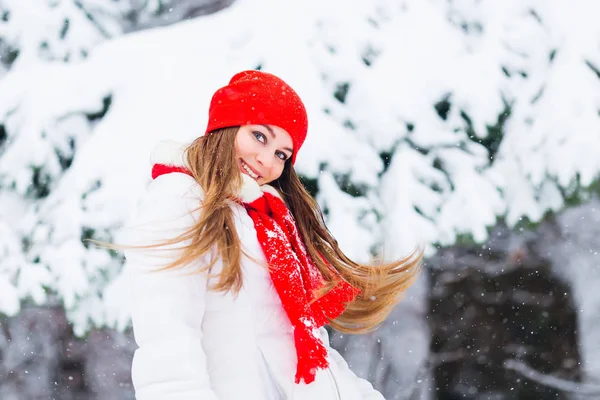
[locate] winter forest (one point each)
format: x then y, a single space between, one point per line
471 127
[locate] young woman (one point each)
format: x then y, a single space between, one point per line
233 272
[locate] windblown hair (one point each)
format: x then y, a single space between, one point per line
212 162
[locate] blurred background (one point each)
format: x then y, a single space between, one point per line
469 126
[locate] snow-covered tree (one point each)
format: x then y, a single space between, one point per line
67 30
429 120
55 30
45 120
480 108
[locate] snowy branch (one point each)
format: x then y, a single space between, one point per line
551 381
92 19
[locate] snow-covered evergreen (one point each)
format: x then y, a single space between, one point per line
428 121
55 30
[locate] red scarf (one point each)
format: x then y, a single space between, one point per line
295 276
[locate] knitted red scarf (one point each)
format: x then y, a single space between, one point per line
295 276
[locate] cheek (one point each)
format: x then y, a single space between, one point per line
241 145
237 146
277 171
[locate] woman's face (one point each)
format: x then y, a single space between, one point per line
262 150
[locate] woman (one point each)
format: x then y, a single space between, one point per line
233 271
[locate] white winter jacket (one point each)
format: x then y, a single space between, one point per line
198 344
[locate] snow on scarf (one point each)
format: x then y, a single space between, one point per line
295 276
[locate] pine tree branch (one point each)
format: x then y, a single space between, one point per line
552 381
92 19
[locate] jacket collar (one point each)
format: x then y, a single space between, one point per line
171 153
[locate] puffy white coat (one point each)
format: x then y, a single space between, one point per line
198 344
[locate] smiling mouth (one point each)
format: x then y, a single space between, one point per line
246 168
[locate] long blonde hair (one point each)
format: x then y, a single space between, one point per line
212 162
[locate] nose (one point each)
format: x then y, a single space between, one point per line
263 159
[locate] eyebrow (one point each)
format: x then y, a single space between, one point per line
273 136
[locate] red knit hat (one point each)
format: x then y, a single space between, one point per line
259 98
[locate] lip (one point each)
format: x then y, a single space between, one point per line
249 166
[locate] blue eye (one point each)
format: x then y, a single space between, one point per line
260 136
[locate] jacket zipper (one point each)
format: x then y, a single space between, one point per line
335 384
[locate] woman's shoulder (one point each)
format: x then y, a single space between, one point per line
170 174
175 184
169 203
168 195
